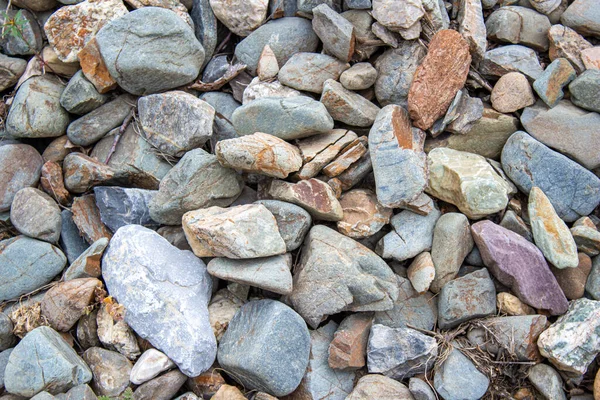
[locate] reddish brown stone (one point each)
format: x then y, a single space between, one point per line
58 149
349 345
364 216
572 280
315 196
53 184
442 73
87 218
206 384
65 303
94 68
352 153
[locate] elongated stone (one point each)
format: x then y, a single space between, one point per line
472 27
309 71
336 32
346 106
82 173
313 195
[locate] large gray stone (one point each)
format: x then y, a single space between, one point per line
514 24
172 54
309 71
20 167
335 31
196 181
80 96
43 360
572 190
166 306
293 221
459 379
124 206
337 274
266 347
110 370
27 264
36 214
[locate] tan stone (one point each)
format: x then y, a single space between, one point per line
318 150
53 184
206 384
57 66
94 68
572 280
512 92
511 305
240 16
349 345
113 331
87 218
313 195
566 43
268 67
66 302
422 205
591 57
421 272
227 392
221 310
441 74
351 153
58 149
363 214
597 386
372 386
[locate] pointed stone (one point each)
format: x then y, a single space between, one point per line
472 27
336 32
348 346
267 67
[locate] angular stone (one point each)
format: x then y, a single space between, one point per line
517 335
293 222
421 272
268 67
395 71
512 92
464 112
591 57
566 43
151 363
309 71
513 222
82 173
336 32
83 392
87 265
43 360
176 122
307 6
57 150
271 273
318 150
20 167
137 271
27 264
303 117
70 239
363 215
113 332
27 39
110 370
458 378
186 187
584 88
162 388
240 17
266 347
59 67
514 24
582 16
572 342
348 346
549 86
123 206
313 195
227 392
35 214
36 111
80 96
11 70
258 89
374 386
66 302
420 390
94 68
346 106
547 381
366 283
573 280
472 27
446 64
87 330
87 218
545 6
524 269
511 58
586 238
399 353
398 16
359 77
452 242
121 41
221 310
285 36
572 190
52 181
347 157
511 305
71 27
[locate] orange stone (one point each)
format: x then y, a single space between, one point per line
53 184
349 345
94 68
87 218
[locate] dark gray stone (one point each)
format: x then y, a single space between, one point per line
420 389
4 355
224 105
7 339
513 222
283 8
80 96
584 90
215 69
293 221
266 347
122 206
396 68
28 41
573 190
357 4
20 167
205 27
458 379
110 370
306 6
71 241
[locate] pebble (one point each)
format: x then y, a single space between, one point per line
586 238
87 265
82 173
20 167
284 343
359 77
12 69
348 346
511 305
458 378
573 280
268 67
110 370
35 214
113 333
512 92
591 57
513 222
150 364
293 222
346 106
566 43
258 89
547 381
66 302
420 390
517 335
584 88
421 272
582 16
240 17
549 86
162 388
374 386
87 219
545 7
313 195
227 392
309 71
519 25
512 58
336 32
395 71
87 330
136 269
363 215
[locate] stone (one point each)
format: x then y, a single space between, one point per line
584 87
351 277
240 17
458 378
582 16
572 343
572 190
227 392
11 69
286 37
71 240
566 43
176 122
447 64
110 370
303 117
395 71
259 153
399 353
363 215
35 214
313 195
123 39
511 58
519 25
20 167
270 273
137 272
82 173
205 27
591 57
573 280
113 332
87 265
59 67
318 150
420 390
421 272
293 221
87 218
551 234
412 235
309 71
266 347
587 239
511 305
513 222
150 364
7 339
57 150
95 125
307 6
124 206
43 360
66 302
592 285
28 40
87 330
512 92
224 105
374 386
348 345
36 111
258 89
4 355
472 27
547 381
27 264
347 157
357 4
71 27
240 232
463 113
398 16
52 181
534 284
359 77
336 32
221 310
184 188
162 388
549 86
545 7
83 392
94 68
476 189
346 106
268 67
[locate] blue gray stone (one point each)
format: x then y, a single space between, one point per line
517 334
573 190
309 71
459 379
284 117
584 90
282 8
215 68
511 58
224 105
35 214
124 206
293 221
420 389
306 6
20 167
29 40
4 355
43 360
172 57
166 306
583 16
205 27
357 4
335 31
80 96
71 241
549 86
286 36
27 264
266 347
547 381
592 285
7 339
515 24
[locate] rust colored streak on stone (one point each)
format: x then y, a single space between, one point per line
94 68
402 129
87 218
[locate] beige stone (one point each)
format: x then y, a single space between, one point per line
379 387
56 65
319 150
313 195
227 392
566 43
349 345
349 155
240 16
221 310
363 214
591 57
512 92
66 302
268 67
421 272
511 305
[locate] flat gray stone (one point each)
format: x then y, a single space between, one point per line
511 58
124 206
459 379
347 106
80 96
396 68
20 167
309 71
205 27
336 32
584 89
36 214
293 221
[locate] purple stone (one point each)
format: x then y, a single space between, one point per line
517 263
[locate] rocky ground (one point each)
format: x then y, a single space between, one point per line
300 199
